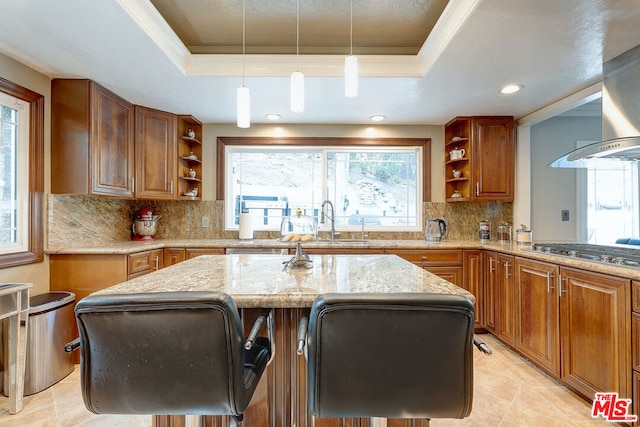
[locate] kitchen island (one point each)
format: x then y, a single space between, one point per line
259 281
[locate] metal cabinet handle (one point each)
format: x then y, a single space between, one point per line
424 257
549 287
157 262
133 185
171 187
560 278
506 269
491 268
477 188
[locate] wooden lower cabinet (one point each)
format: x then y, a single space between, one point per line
500 296
538 319
595 329
472 281
281 397
446 264
176 255
194 252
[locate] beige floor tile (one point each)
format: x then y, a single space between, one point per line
508 391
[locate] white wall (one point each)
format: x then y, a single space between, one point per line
14 71
554 189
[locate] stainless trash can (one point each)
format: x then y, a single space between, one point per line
51 326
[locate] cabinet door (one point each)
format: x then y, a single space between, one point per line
472 281
144 263
156 159
506 302
450 274
493 161
538 323
111 143
491 291
173 256
595 316
194 252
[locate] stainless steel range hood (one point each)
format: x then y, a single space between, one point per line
620 115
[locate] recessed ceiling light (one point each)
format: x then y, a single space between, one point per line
273 116
377 118
511 89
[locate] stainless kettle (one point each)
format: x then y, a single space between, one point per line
435 229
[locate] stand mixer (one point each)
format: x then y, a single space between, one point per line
144 225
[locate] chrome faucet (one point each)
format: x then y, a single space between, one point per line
364 235
331 218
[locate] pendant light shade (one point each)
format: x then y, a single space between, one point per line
243 107
297 92
351 76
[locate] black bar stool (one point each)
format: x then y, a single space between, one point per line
169 353
405 355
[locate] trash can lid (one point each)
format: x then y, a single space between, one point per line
49 301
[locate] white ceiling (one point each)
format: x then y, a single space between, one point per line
554 48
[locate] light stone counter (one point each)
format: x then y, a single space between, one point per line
130 247
260 280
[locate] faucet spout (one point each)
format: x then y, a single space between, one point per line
330 216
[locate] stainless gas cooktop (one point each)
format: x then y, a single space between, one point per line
628 256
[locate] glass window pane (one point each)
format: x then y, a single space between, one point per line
8 178
377 186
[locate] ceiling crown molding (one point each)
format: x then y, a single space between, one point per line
153 24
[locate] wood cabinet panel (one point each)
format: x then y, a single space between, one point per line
487 168
173 256
472 281
194 252
339 251
156 158
506 301
450 274
538 320
92 140
429 257
491 291
494 158
635 340
596 332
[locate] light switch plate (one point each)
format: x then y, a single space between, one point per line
205 222
565 214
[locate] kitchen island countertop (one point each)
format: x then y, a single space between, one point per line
260 280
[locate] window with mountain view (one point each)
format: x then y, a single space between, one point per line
380 186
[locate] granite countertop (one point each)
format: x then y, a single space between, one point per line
261 281
129 247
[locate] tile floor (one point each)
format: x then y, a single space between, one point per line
508 391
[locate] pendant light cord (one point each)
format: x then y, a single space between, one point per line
351 28
243 41
297 35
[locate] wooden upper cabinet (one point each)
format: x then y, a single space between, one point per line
485 170
156 158
92 140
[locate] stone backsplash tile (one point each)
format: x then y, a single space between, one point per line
87 220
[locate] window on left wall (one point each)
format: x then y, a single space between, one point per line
21 175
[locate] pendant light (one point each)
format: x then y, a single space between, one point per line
297 78
243 96
351 64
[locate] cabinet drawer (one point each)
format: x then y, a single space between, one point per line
144 262
430 257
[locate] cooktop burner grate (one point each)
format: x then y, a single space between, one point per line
619 255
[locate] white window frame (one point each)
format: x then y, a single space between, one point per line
418 150
21 176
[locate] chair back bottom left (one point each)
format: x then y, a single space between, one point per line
159 357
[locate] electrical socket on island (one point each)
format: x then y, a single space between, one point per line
205 222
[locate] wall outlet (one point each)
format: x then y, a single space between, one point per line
205 222
565 214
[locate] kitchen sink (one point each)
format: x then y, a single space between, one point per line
349 242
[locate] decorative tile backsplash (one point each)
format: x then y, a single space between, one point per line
88 220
